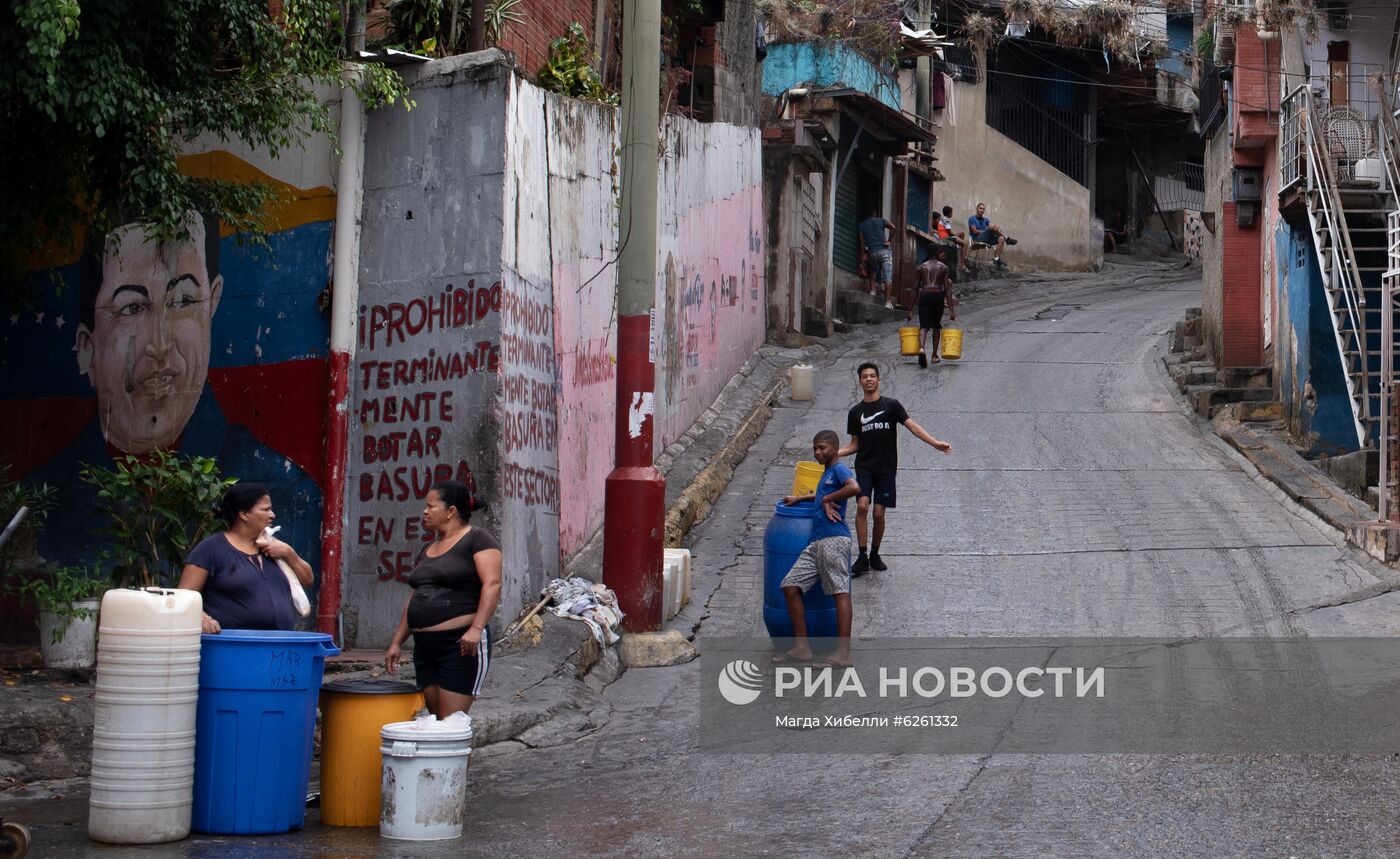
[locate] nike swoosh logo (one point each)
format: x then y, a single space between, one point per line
866 420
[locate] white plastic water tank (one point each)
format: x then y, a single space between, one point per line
800 381
143 725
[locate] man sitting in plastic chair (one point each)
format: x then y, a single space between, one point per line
981 229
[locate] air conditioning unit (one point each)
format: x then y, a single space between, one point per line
1338 19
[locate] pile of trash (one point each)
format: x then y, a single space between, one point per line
593 603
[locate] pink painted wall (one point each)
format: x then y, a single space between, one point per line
709 301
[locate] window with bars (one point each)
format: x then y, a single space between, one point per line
961 63
1045 108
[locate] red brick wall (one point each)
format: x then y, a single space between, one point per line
545 21
1242 328
1255 91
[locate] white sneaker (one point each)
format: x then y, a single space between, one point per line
889 305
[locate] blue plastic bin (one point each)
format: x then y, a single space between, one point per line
787 534
253 729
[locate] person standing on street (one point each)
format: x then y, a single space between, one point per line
935 286
873 426
874 238
456 588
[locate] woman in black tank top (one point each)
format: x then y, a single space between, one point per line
456 587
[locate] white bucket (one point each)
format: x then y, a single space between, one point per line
681 558
800 381
424 787
143 722
77 646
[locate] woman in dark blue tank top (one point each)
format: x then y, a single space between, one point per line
456 586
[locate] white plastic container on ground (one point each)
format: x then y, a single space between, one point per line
143 723
424 792
670 588
682 557
78 644
800 381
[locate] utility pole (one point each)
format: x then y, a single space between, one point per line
345 298
634 500
923 66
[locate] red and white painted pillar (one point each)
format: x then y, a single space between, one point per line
345 301
634 502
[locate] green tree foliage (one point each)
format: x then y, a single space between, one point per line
14 495
159 506
98 97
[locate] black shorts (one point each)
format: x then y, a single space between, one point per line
877 487
930 312
438 661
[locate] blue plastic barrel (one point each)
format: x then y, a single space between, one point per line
253 729
787 534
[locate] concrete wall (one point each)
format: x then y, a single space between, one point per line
736 75
513 201
1030 200
825 64
427 368
528 405
581 193
1218 161
710 299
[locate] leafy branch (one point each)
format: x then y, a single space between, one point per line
99 100
158 506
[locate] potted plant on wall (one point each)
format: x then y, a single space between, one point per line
67 600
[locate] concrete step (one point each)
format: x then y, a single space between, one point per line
1247 377
1188 376
1257 413
1203 401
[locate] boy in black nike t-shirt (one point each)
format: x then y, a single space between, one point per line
873 425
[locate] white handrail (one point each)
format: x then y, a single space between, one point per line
1390 148
1347 276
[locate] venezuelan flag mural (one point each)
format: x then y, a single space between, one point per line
210 348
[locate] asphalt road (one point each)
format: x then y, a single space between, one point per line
1081 500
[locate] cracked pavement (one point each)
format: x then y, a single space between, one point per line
1082 499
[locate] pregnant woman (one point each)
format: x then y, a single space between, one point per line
456 586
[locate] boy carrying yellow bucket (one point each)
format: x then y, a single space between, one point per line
935 292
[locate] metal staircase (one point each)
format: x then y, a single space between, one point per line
1389 435
1349 229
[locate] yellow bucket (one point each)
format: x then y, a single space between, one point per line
352 714
909 341
806 478
952 343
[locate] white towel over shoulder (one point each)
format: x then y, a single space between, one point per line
303 605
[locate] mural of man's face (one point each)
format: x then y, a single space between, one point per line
147 353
